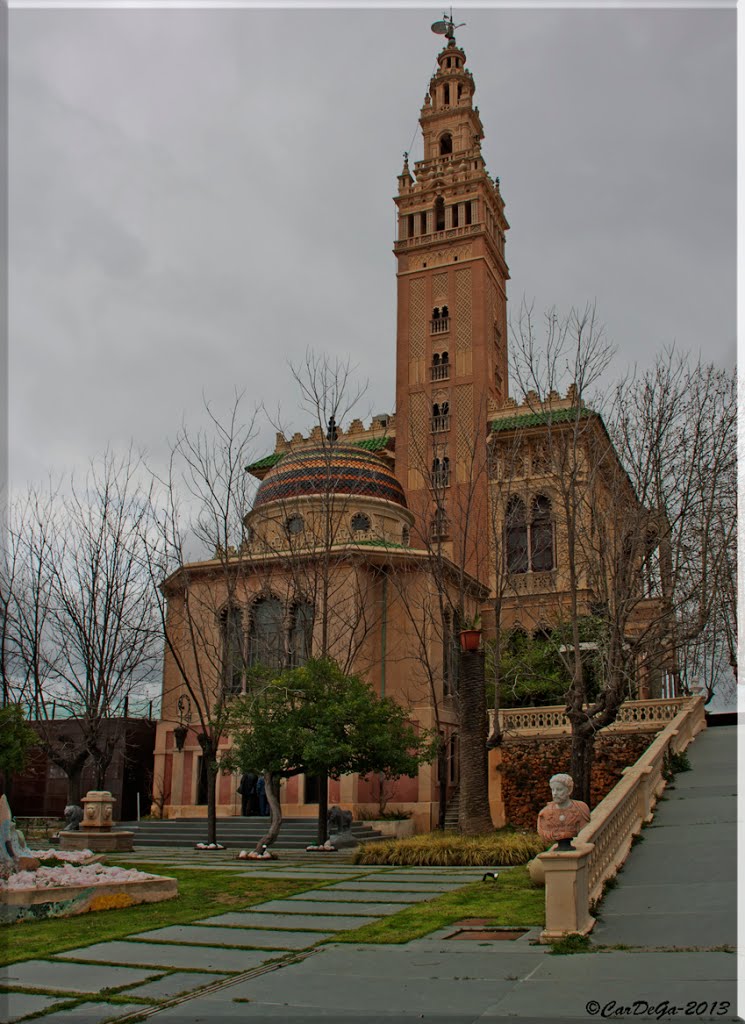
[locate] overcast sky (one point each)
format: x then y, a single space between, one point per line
197 196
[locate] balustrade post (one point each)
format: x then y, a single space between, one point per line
567 895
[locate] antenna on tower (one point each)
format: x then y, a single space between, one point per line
446 27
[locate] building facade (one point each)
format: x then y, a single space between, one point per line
372 544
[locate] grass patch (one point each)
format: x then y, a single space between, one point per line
573 943
201 894
448 849
512 901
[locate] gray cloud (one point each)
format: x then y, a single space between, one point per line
197 196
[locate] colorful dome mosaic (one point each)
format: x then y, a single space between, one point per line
344 469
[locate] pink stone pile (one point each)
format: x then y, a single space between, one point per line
69 874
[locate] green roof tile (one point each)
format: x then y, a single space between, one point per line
370 444
537 419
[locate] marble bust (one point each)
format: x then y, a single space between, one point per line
563 818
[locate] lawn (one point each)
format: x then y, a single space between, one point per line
512 900
201 894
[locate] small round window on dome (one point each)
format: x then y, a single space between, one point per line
360 523
406 536
295 525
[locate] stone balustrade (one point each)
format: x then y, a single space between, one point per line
633 716
575 880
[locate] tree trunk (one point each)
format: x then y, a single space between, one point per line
474 816
323 808
275 813
211 801
583 749
74 784
442 772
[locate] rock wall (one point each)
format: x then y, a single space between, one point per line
528 764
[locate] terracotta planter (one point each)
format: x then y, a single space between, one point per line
470 639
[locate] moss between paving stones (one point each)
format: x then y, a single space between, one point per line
200 893
511 901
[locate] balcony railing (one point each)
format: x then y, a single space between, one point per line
440 325
441 371
440 423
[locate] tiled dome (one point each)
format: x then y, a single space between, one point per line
343 469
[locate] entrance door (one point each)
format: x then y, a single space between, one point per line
312 789
201 781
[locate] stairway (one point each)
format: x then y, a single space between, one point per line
451 812
241 833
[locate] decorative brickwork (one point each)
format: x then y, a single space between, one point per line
463 322
418 433
439 287
464 431
528 764
418 319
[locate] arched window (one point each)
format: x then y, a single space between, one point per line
301 633
439 214
233 667
265 646
436 313
446 144
436 359
516 536
435 409
445 312
360 523
295 525
517 641
446 91
541 535
444 357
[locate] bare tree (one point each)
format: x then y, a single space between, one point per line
634 507
80 617
201 506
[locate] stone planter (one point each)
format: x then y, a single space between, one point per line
64 901
393 829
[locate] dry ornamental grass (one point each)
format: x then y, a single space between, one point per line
450 849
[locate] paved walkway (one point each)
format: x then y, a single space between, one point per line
676 891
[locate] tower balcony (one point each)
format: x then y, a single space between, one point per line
440 423
440 371
440 325
436 236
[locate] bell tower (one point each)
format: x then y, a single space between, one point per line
451 349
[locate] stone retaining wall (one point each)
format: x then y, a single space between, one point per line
528 764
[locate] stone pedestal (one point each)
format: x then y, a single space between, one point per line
96 833
99 842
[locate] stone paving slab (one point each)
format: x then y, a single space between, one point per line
325 922
399 876
295 905
243 938
92 1013
19 1004
563 999
399 963
658 897
227 961
334 894
368 993
77 978
679 930
692 866
207 1011
365 885
173 985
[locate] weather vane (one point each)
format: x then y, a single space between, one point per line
446 27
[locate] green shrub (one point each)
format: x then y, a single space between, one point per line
572 943
449 849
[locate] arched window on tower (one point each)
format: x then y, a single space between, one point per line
446 144
446 91
233 666
301 633
516 536
541 535
439 214
265 641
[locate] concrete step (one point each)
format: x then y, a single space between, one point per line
296 833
